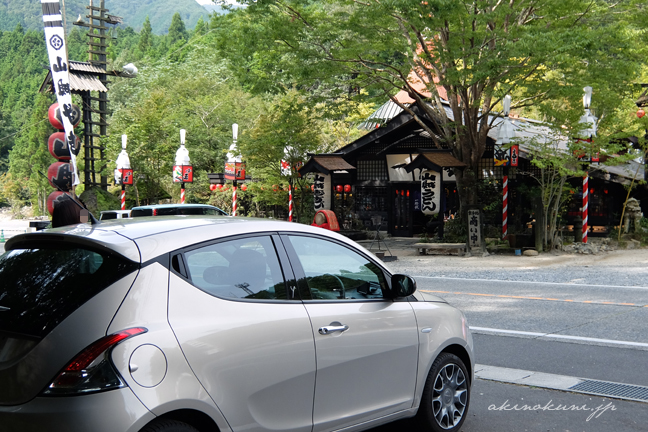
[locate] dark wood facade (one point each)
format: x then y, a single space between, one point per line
384 171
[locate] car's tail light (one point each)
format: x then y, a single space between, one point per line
154 212
91 370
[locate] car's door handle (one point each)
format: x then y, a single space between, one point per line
332 329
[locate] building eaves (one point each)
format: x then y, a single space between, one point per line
325 165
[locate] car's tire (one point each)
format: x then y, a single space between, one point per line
446 395
165 425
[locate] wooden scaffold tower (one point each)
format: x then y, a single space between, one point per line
95 126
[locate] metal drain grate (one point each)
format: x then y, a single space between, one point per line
624 391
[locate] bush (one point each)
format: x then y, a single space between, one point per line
455 231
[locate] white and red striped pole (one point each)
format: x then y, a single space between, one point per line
585 205
123 197
234 200
182 193
505 207
290 203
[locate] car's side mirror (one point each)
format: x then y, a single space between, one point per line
402 286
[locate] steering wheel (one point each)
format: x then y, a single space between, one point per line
342 289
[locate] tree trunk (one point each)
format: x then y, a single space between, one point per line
540 224
467 190
553 226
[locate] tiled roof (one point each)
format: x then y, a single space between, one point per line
445 160
85 67
85 82
333 163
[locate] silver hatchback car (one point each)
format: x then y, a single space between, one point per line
199 323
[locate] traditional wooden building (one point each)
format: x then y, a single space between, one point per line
387 174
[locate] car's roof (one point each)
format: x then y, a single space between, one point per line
145 238
115 211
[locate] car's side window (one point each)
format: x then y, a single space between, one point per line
240 269
334 272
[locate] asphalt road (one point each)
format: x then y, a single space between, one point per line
595 332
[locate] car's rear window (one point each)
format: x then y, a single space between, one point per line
141 212
39 288
177 210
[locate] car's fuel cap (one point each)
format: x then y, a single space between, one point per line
147 365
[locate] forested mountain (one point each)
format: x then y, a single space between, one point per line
28 13
23 62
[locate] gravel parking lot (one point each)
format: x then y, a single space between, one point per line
620 267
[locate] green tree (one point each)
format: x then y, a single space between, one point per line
145 37
30 157
177 30
286 131
470 54
197 94
201 27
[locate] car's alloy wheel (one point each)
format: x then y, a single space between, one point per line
446 395
164 425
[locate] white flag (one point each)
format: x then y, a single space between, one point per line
57 53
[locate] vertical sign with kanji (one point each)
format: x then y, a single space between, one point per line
57 54
322 192
515 155
124 176
430 192
474 229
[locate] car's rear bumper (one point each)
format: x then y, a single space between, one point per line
110 411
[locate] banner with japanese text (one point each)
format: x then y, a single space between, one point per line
430 192
322 192
57 53
474 228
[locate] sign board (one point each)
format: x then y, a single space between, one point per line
515 155
586 153
182 174
430 192
501 155
417 200
124 176
322 192
474 229
234 171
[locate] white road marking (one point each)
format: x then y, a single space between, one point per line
558 336
531 282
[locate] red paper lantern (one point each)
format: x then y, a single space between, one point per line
212 187
641 113
339 188
275 188
347 188
219 186
59 175
55 196
58 147
313 187
54 115
243 188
